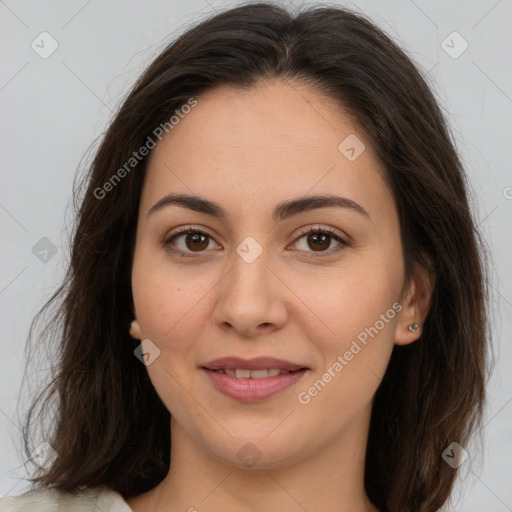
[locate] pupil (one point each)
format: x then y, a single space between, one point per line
324 237
196 238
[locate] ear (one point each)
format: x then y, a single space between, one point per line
135 330
415 299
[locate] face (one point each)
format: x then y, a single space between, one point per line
252 284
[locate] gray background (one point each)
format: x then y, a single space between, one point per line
52 109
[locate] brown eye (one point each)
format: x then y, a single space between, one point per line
187 241
319 240
196 241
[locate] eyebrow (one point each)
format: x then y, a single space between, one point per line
282 211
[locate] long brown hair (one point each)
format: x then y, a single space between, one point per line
109 426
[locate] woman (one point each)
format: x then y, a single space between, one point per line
275 274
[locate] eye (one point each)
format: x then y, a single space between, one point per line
320 239
192 240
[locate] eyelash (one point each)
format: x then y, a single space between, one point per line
167 241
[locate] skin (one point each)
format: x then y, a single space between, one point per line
248 151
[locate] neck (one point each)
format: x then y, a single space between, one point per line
331 480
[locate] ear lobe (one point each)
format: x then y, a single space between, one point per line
415 306
135 330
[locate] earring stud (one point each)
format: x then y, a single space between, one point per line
414 327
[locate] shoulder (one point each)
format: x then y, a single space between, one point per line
53 500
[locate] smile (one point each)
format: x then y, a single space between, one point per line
242 373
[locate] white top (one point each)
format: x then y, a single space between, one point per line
51 500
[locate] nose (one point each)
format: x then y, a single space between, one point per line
251 298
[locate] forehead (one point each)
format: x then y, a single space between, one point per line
273 141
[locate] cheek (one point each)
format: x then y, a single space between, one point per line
357 314
353 362
166 299
351 301
167 306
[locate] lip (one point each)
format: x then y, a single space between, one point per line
252 390
258 363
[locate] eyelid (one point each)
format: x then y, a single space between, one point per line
319 227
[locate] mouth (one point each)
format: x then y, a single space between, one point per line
252 380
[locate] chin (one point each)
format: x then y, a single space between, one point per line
258 451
